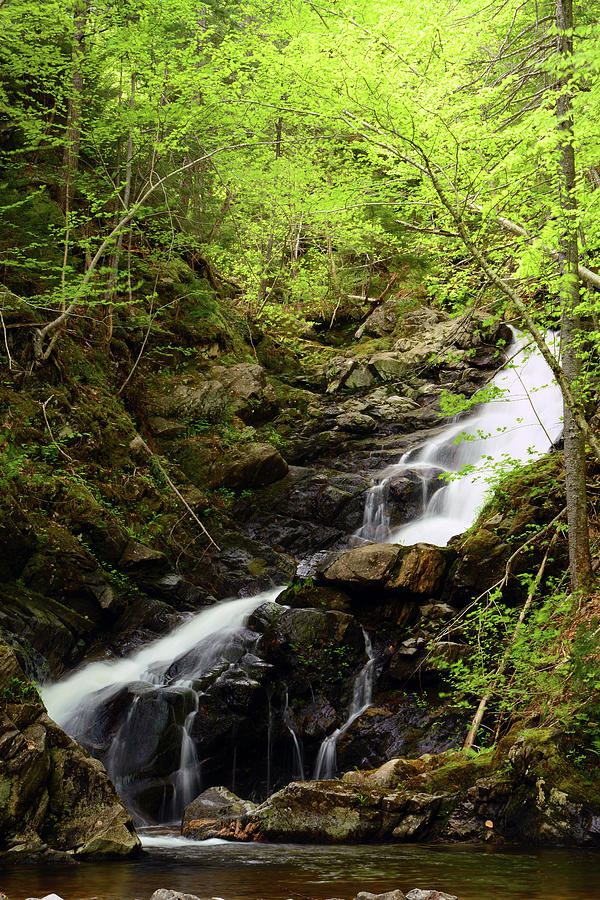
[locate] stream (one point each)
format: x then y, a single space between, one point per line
279 871
522 422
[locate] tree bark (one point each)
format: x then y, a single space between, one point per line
74 109
574 440
116 256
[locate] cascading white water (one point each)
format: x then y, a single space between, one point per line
362 696
76 701
519 425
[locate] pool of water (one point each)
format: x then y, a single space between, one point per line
279 871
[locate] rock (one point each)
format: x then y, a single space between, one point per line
418 894
165 894
385 318
199 401
217 805
360 377
365 566
142 560
17 537
255 465
254 400
435 612
337 371
166 429
389 895
55 797
356 423
389 366
417 570
421 571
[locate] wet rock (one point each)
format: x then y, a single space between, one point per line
253 465
301 595
388 895
408 725
307 510
54 795
418 570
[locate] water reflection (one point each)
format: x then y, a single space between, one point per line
272 872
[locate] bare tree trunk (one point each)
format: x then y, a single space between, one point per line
74 109
575 463
116 257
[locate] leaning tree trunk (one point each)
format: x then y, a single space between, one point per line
575 463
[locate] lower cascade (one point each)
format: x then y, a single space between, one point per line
115 708
143 715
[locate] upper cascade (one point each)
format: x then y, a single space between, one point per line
459 466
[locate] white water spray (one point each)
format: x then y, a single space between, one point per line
76 702
518 426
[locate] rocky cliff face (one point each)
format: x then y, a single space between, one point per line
98 555
56 801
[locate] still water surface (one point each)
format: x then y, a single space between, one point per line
280 871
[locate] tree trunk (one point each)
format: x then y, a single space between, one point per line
116 257
575 463
74 109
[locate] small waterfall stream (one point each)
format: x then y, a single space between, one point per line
326 764
520 424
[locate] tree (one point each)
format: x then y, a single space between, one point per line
471 111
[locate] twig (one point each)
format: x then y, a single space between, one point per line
52 438
10 359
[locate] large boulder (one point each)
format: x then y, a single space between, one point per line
253 465
253 399
217 805
417 570
55 798
191 401
526 790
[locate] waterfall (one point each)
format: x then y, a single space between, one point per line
362 695
521 423
165 669
113 706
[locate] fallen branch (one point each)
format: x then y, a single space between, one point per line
139 443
